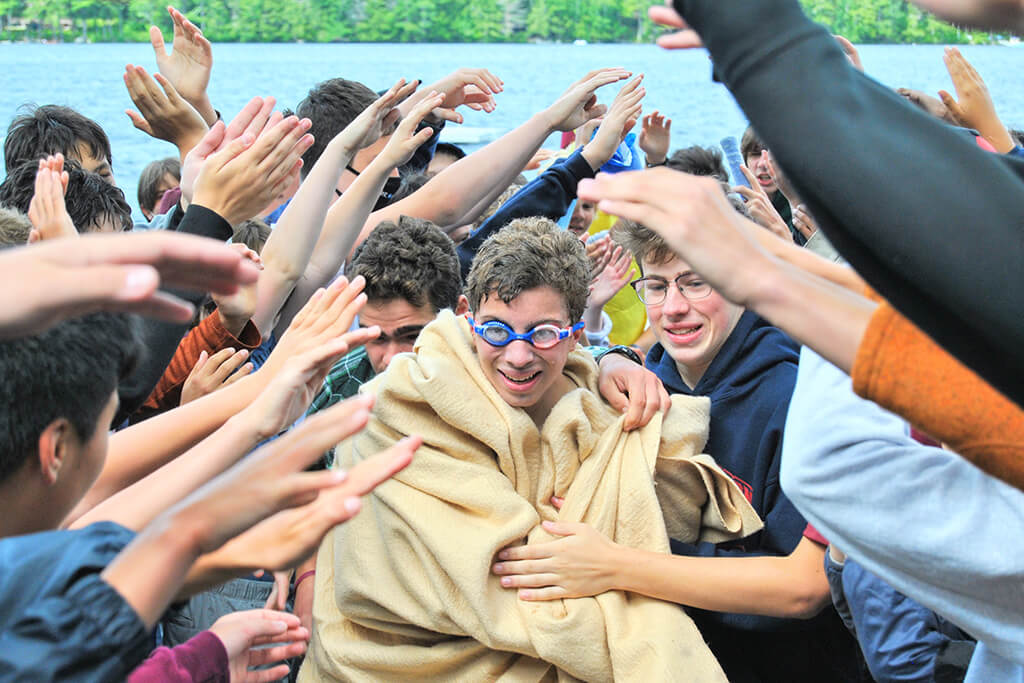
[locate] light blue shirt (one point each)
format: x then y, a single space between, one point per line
930 523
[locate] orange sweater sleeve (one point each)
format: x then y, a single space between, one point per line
211 336
900 368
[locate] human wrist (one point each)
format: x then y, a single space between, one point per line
653 160
206 110
594 155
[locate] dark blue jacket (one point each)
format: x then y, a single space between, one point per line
902 640
60 621
750 383
548 195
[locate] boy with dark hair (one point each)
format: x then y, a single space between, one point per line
53 129
55 414
93 204
331 106
411 274
697 160
754 157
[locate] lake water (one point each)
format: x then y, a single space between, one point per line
88 78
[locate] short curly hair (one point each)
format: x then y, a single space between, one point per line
412 260
530 253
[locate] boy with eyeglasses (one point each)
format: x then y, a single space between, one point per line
514 418
707 346
761 602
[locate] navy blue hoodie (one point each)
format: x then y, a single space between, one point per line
750 383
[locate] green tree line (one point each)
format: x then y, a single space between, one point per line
862 21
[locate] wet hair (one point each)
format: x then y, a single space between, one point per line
253 233
411 260
331 106
68 371
448 149
41 131
14 228
697 160
410 183
90 200
526 254
151 177
750 144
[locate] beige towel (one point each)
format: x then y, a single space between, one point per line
404 591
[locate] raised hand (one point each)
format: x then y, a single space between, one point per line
406 140
252 119
539 157
162 114
619 120
327 316
285 539
46 210
974 107
242 179
380 117
578 104
655 135
189 64
760 206
211 373
804 221
614 277
48 282
291 391
474 88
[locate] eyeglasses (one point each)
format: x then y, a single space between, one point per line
497 333
653 290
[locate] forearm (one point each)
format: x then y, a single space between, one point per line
474 181
809 261
724 584
816 312
150 570
340 236
298 234
137 505
889 235
142 448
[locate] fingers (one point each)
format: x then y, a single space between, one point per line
680 40
246 117
666 16
303 445
542 594
156 39
220 368
378 468
557 502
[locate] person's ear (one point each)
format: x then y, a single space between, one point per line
462 307
54 445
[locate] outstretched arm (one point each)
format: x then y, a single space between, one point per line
476 180
295 237
963 295
583 562
339 234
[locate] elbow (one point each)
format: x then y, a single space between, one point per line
807 603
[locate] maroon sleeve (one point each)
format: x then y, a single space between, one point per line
202 659
812 533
